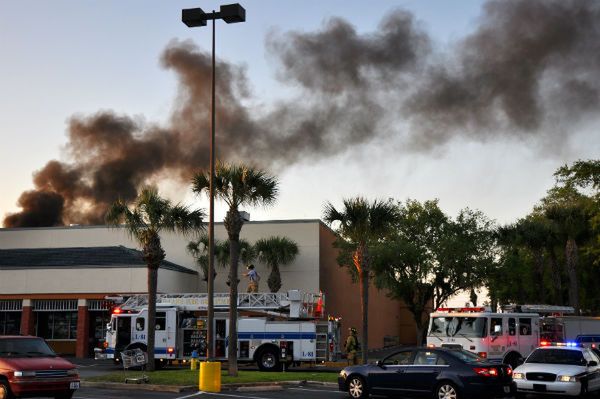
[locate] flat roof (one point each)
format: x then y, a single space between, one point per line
79 257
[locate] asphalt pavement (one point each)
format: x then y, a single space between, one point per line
268 392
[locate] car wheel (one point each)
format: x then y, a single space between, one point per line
446 390
65 395
268 360
5 391
357 388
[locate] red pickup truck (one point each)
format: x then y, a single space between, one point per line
28 367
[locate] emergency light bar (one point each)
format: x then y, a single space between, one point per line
465 310
563 344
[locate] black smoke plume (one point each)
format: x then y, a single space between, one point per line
530 69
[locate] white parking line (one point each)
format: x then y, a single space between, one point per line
234 396
192 395
318 390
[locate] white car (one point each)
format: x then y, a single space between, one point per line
559 369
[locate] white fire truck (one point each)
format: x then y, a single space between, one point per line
274 329
504 337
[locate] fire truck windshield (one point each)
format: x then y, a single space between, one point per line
468 327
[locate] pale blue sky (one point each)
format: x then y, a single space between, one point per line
60 58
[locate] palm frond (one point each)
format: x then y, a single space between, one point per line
201 183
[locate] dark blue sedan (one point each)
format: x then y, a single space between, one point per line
432 372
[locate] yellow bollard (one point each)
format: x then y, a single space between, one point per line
210 376
194 364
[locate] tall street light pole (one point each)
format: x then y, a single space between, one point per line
194 17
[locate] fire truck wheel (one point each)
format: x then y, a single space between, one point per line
5 391
268 360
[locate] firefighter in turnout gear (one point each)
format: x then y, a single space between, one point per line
253 279
352 346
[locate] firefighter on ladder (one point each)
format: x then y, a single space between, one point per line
253 279
352 346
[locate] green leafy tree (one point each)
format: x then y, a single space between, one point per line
430 257
586 175
360 226
149 216
237 185
276 251
561 234
568 209
582 174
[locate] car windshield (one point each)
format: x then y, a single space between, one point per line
24 347
466 356
557 356
468 327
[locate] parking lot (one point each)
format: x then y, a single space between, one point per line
316 392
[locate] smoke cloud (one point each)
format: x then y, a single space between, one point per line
530 69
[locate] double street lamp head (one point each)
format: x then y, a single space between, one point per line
230 13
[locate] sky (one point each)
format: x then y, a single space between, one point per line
338 98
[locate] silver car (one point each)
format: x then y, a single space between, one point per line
559 369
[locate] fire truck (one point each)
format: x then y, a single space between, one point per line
505 337
275 330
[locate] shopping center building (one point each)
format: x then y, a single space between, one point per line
58 282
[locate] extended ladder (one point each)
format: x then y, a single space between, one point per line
295 303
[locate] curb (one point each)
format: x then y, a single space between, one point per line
248 386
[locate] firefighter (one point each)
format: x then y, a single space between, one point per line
253 279
352 346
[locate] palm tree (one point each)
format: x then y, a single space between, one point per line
532 233
361 225
150 215
199 251
275 251
572 222
247 253
237 185
568 210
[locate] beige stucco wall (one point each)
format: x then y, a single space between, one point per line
314 269
302 274
92 280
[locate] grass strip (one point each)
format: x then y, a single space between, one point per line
191 377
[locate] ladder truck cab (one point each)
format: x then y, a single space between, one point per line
275 330
501 337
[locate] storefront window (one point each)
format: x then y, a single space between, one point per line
10 323
56 325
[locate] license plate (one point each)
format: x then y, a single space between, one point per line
506 389
74 385
539 387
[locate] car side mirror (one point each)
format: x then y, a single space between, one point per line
379 363
592 363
